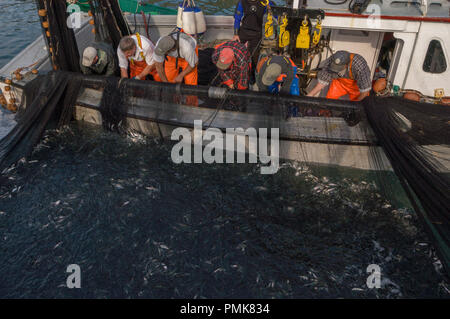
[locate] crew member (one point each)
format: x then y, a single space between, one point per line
232 58
348 74
135 53
277 73
248 25
176 58
99 59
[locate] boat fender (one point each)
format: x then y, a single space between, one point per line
317 32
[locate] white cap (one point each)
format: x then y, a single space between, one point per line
89 55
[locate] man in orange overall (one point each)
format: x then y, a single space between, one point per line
176 58
135 53
348 74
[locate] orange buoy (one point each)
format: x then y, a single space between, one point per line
7 88
50 49
8 81
413 96
18 76
380 85
34 71
92 22
90 13
55 67
45 24
42 12
48 34
93 30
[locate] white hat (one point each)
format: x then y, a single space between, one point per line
89 55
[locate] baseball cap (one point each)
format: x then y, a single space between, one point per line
164 45
271 74
89 55
339 61
225 59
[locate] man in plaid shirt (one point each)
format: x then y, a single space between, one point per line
233 61
348 73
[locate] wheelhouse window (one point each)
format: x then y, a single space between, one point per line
435 59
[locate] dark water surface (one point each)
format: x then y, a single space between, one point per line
140 226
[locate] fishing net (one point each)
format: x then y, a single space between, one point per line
410 138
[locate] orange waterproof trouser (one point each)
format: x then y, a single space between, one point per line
136 68
341 87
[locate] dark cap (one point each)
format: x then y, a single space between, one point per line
339 61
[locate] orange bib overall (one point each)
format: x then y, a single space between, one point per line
341 87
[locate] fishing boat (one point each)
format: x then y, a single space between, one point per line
405 43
